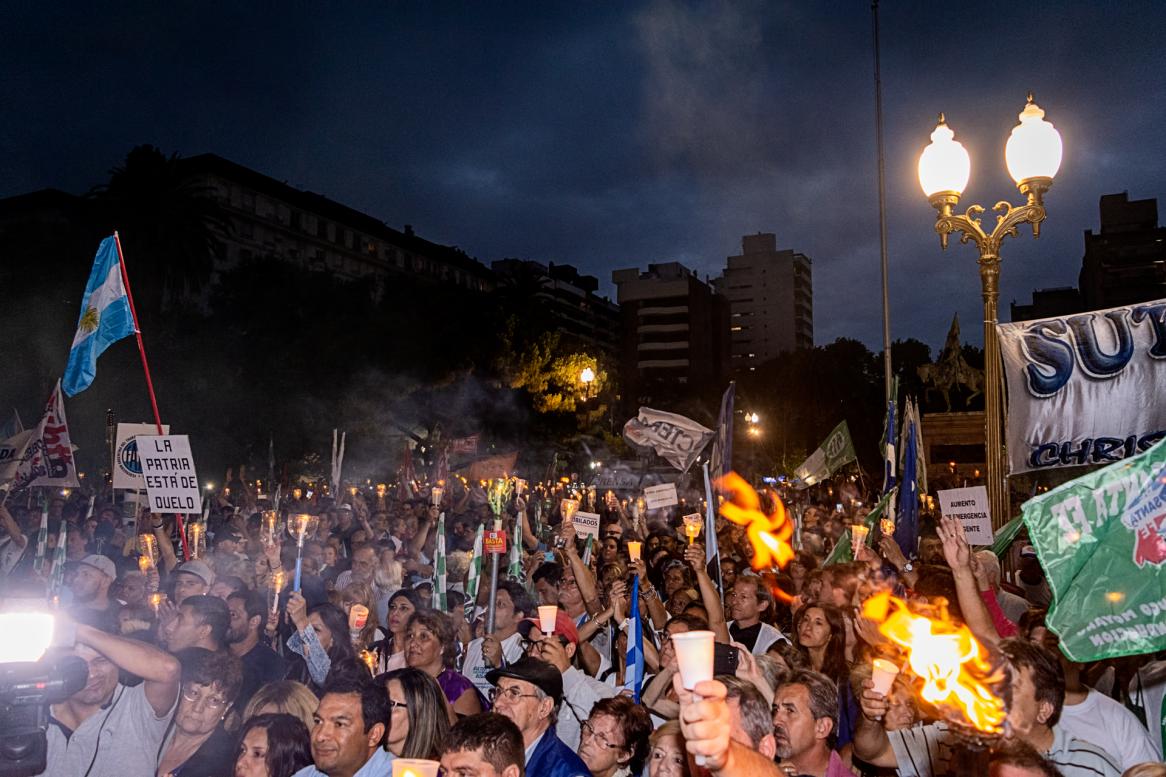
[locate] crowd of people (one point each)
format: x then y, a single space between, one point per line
219 655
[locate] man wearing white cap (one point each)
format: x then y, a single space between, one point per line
192 578
91 584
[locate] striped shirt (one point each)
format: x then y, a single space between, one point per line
927 751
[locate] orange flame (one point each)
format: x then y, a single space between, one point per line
771 535
946 657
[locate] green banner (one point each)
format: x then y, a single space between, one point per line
1102 542
832 454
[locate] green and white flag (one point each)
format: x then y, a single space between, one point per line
57 571
474 575
514 569
836 451
42 539
440 583
1102 542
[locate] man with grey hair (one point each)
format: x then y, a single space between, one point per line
805 725
1013 606
749 717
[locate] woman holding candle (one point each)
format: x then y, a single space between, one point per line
401 606
420 716
321 636
430 646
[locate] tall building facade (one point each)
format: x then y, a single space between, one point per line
675 336
273 219
771 296
1125 262
570 298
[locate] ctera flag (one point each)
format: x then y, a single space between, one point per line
105 318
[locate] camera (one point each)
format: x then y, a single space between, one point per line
30 681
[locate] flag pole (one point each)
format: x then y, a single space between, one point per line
125 279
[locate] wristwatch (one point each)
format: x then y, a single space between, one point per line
908 567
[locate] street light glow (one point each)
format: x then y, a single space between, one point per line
944 166
1034 148
753 418
587 375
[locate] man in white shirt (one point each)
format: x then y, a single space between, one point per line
749 600
1038 693
511 604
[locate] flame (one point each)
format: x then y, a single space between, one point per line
771 535
952 664
370 660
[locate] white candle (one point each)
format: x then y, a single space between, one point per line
547 615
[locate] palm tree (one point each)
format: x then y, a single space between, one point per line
168 225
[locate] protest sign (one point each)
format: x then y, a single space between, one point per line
586 524
168 473
663 495
494 541
970 507
12 453
1101 540
1079 386
127 469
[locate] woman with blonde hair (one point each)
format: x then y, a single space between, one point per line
666 754
284 696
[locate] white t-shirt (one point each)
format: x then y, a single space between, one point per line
1107 724
127 731
474 667
1152 698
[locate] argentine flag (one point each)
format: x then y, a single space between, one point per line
633 678
105 318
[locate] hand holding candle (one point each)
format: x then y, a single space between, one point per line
883 673
547 615
858 533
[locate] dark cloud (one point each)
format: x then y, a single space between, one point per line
612 135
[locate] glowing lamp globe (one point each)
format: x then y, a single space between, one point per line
944 166
1034 148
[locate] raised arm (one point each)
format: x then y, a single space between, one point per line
710 597
160 670
959 558
12 528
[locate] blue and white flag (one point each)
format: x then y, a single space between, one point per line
105 318
633 676
914 481
721 458
711 550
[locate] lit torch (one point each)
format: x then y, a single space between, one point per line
957 675
770 534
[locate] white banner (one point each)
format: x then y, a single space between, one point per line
127 470
1085 389
168 470
676 439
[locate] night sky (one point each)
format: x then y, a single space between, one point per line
615 134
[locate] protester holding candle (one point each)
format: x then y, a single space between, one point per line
321 636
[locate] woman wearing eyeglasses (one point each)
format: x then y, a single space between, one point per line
613 740
198 744
419 716
430 645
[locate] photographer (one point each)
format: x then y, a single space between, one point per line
108 729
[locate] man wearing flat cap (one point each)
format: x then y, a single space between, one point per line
529 692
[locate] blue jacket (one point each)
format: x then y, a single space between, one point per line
552 758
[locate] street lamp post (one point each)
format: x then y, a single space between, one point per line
1033 156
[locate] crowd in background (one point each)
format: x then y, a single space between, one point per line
217 665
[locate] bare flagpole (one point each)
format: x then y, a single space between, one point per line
887 370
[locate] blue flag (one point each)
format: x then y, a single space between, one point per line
105 318
633 676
